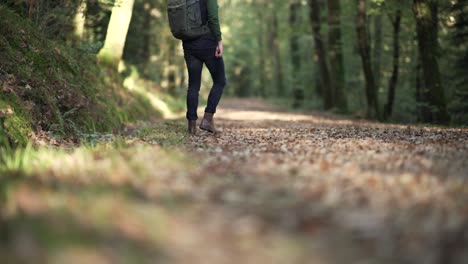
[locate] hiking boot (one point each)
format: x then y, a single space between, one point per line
192 127
207 124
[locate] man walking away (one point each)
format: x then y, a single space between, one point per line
196 23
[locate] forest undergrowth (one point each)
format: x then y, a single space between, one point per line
274 187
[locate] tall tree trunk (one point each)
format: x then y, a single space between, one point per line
396 23
80 20
294 23
262 62
117 32
426 13
419 100
325 80
364 50
146 52
336 53
275 47
171 73
97 22
378 46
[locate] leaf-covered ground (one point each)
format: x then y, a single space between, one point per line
275 187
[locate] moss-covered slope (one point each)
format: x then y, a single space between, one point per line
50 86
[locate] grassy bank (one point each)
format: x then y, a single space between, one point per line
46 85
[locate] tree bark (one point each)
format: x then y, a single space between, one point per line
171 72
392 84
426 14
262 62
294 8
336 53
294 23
275 47
364 50
117 32
378 47
80 20
325 79
261 43
147 40
96 22
419 100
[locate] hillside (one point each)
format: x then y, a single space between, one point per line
50 86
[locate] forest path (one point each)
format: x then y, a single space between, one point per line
398 193
274 187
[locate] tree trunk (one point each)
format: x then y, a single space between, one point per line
80 20
336 53
147 40
325 80
396 23
294 23
419 100
364 50
172 70
262 62
117 32
426 14
96 22
378 47
275 47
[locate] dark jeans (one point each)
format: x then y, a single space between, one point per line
195 60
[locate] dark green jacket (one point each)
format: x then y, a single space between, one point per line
213 18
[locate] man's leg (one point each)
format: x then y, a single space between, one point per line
216 68
194 67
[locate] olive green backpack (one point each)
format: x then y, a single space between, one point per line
185 19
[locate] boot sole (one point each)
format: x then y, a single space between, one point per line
207 130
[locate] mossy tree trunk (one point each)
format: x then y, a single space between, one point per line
80 20
276 53
295 52
392 84
336 53
325 80
378 44
96 22
172 70
418 92
117 32
262 62
434 107
364 51
262 48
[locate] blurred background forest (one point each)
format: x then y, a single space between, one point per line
390 60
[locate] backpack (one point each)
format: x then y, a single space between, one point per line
185 19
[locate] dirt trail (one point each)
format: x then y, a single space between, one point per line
353 190
274 187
